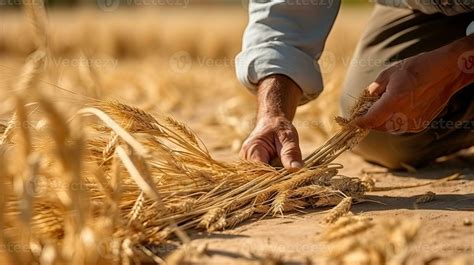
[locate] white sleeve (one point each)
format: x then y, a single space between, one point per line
286 37
470 29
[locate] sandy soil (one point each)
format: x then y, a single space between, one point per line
444 233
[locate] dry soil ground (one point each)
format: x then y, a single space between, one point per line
445 230
180 62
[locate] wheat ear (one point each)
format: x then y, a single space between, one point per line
342 208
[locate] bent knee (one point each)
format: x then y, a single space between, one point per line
392 151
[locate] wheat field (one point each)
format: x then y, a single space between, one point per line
120 138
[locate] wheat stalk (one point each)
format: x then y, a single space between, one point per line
342 208
427 197
240 216
133 179
8 130
347 226
211 217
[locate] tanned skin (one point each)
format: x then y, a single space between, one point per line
274 135
418 87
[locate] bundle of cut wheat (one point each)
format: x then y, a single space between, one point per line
132 179
113 182
360 240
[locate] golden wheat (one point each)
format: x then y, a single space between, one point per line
119 176
154 196
342 208
427 197
388 244
240 216
347 226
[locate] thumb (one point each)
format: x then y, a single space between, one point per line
290 153
378 87
378 113
257 153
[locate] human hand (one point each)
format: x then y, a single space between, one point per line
414 91
274 136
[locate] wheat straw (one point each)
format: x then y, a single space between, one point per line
132 180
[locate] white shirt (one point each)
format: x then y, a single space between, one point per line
287 37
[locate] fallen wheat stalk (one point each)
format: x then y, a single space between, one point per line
153 178
174 194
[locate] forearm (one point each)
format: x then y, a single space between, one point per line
450 8
419 87
286 39
453 63
462 51
278 96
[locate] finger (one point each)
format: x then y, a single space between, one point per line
379 113
376 88
257 150
243 150
379 86
276 162
289 150
254 152
258 154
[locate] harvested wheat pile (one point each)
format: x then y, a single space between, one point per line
115 176
357 240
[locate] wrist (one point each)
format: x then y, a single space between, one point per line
278 96
462 46
457 59
270 121
465 59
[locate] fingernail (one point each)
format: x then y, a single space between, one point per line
372 87
296 164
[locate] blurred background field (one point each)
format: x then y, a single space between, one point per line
168 56
177 57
